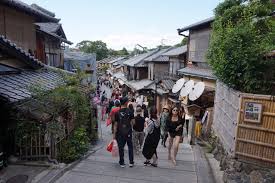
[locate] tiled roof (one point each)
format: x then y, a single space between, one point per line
139 84
21 6
51 29
197 24
120 75
176 51
17 87
11 48
141 64
119 63
49 26
5 69
156 55
168 84
198 72
106 60
115 60
35 6
138 59
161 58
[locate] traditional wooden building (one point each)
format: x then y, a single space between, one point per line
197 68
21 76
34 29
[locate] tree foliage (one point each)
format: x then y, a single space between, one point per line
243 34
123 52
97 47
182 43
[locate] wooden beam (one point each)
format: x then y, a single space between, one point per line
255 157
257 143
256 128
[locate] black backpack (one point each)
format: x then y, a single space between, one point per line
124 123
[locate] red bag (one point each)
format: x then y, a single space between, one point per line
108 121
110 146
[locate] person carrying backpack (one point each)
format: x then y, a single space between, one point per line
123 132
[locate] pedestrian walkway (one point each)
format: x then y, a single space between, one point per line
101 167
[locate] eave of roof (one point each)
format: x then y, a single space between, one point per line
156 55
51 29
139 84
138 59
21 6
197 24
198 72
11 49
176 51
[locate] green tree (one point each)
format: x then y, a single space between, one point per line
243 34
123 52
97 47
182 43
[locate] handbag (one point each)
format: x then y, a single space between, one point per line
110 146
108 121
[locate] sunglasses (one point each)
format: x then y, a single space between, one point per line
176 110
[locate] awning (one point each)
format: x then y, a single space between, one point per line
139 84
173 100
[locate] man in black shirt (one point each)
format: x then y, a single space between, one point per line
138 134
123 132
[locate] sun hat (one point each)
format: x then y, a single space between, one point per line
166 107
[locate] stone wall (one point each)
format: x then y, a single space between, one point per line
226 116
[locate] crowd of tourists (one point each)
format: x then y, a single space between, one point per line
140 129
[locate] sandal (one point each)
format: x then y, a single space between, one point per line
146 163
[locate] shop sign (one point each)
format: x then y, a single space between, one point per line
253 112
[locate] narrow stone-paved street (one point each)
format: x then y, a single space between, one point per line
102 167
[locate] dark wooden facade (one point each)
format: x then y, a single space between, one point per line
18 27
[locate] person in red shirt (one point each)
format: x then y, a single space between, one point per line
113 112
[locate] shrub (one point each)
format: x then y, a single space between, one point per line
75 147
243 33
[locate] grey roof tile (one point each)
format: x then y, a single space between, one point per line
138 59
198 72
51 29
16 87
168 84
156 54
139 84
21 6
197 24
176 51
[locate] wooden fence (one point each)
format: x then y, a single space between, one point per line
255 141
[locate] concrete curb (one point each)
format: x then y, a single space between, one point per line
215 167
53 175
213 164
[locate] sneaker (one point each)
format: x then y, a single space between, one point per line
146 163
154 165
131 165
122 165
